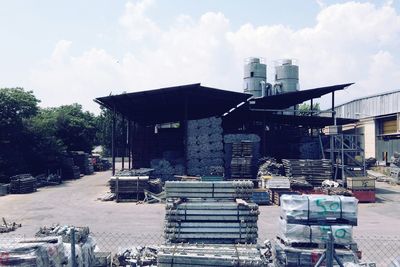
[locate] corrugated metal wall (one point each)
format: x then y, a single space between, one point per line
371 106
390 146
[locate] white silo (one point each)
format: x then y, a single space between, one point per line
255 77
286 76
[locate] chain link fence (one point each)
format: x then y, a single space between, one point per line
381 250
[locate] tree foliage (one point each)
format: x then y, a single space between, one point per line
305 109
34 139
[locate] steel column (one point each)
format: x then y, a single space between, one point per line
123 143
113 142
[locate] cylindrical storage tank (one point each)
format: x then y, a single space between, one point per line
287 75
255 74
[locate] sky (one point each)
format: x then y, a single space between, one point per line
74 51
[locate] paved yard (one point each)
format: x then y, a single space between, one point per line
76 202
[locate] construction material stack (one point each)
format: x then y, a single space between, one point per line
208 212
215 215
22 184
315 171
204 145
242 152
129 185
304 223
278 186
81 159
69 170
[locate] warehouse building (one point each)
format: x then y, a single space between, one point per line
175 129
378 117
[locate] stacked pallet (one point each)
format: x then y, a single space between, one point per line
81 159
211 255
22 184
210 212
129 188
204 145
69 170
315 171
305 222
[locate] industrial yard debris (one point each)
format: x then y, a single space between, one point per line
137 256
6 227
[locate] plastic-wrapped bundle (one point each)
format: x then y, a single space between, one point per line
319 208
300 233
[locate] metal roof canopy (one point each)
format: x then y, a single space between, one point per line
283 101
173 104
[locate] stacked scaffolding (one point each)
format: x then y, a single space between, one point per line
209 212
129 187
204 145
315 171
22 184
304 225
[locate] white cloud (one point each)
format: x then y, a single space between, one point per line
350 42
136 23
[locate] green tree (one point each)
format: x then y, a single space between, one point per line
17 107
304 109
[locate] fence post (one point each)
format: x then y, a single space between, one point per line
329 250
73 257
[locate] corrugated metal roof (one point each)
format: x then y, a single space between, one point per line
370 106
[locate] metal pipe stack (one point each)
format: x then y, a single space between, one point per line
208 212
129 185
211 255
204 145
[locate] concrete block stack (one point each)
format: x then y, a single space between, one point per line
210 212
204 145
305 221
242 152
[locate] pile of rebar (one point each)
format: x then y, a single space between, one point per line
229 190
211 255
315 171
22 184
204 145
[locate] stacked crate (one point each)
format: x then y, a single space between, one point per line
243 163
204 145
209 212
240 160
363 188
304 223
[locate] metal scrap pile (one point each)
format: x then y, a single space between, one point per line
204 145
22 184
213 255
269 166
84 243
138 256
51 179
8 227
